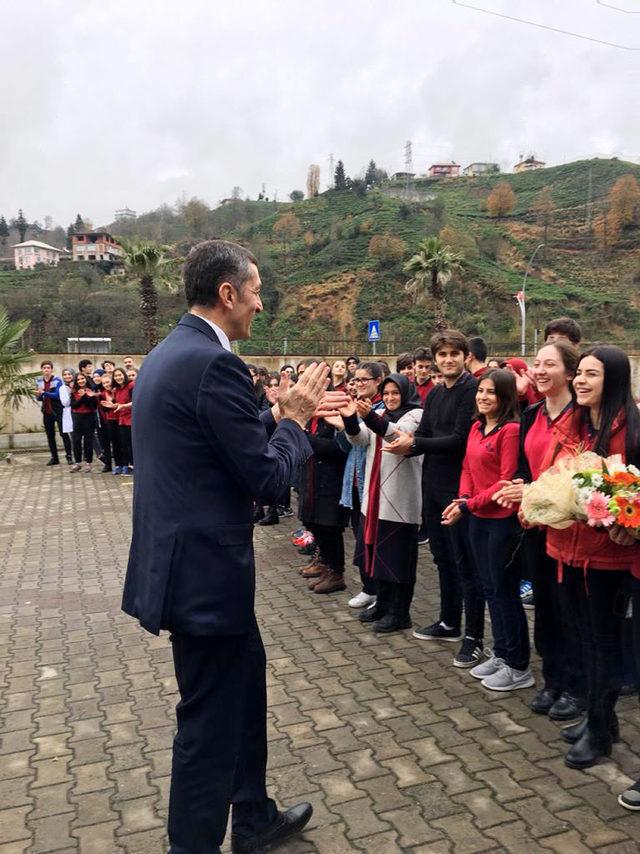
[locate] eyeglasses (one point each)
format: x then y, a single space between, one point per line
361 380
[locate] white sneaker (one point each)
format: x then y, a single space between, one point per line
509 679
488 667
362 600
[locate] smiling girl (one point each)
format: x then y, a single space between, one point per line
491 457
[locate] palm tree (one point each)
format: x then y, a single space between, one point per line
14 383
147 263
430 269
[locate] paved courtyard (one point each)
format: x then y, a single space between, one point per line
396 749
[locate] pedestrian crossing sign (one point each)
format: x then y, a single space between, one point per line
374 330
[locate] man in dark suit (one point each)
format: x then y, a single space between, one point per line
203 454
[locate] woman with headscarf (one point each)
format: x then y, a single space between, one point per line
387 545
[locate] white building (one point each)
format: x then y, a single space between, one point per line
477 170
26 255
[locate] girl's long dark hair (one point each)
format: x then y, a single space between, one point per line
117 384
504 383
617 398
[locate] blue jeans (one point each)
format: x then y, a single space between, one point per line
493 542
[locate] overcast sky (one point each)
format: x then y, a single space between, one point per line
137 103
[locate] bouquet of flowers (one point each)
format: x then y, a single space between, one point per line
586 488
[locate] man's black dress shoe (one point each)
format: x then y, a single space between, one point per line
53 462
543 701
286 824
566 708
589 748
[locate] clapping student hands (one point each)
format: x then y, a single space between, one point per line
453 512
401 445
510 493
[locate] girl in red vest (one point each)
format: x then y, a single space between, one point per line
84 403
122 391
594 564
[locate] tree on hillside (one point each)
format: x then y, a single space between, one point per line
4 232
544 207
313 181
359 187
430 269
387 249
296 195
340 178
148 264
286 229
624 200
78 225
15 384
462 242
21 224
70 232
501 200
374 176
196 215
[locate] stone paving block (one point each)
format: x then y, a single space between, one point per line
537 817
93 808
516 836
593 830
49 772
13 825
52 834
132 783
503 784
455 778
466 838
381 843
563 843
406 771
98 839
428 752
138 815
146 842
411 826
91 778
360 818
51 800
384 793
486 811
329 840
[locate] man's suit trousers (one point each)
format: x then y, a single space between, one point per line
220 749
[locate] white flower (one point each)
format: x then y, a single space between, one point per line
597 480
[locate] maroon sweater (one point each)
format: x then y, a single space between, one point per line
488 460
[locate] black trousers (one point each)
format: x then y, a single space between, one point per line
220 749
126 454
84 424
110 437
330 542
557 646
459 581
50 421
596 601
494 542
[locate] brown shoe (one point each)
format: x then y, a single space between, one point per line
321 577
314 570
330 583
315 560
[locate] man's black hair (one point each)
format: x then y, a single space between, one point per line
212 263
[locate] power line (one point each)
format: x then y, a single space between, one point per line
616 8
544 26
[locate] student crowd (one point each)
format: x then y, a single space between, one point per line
438 452
92 412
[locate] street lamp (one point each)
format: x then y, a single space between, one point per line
521 297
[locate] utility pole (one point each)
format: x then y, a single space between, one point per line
589 211
408 166
521 297
331 171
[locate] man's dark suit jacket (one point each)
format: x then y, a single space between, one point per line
202 455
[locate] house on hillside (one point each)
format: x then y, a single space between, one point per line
403 176
26 255
444 170
529 164
96 246
477 170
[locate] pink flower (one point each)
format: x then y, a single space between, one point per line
597 508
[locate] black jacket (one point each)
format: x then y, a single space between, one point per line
320 484
203 455
443 431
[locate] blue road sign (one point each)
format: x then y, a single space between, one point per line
374 330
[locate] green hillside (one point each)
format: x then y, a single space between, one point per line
322 285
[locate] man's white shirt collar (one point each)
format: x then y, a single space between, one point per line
222 335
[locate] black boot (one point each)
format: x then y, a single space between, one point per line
543 701
397 616
271 518
594 744
258 512
574 733
566 708
378 611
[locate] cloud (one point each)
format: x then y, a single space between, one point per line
123 105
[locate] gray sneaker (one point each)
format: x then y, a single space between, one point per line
630 798
508 679
488 667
